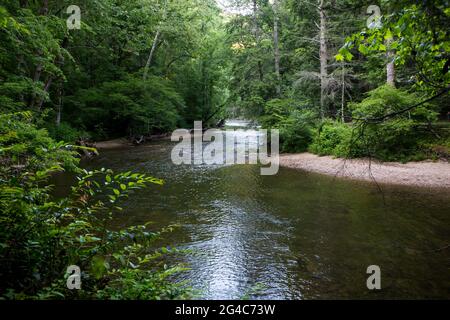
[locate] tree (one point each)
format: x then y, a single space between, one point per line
276 45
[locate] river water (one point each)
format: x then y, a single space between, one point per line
296 235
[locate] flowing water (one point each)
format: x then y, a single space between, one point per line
295 235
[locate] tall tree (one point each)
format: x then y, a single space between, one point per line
323 55
155 40
276 44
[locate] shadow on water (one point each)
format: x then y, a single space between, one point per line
300 235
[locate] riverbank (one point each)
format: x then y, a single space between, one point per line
112 144
422 174
123 142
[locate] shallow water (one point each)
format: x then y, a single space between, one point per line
295 235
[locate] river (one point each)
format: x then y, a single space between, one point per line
296 235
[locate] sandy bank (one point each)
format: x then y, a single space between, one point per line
113 144
123 142
424 174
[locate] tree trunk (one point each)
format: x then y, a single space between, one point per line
44 8
152 52
391 74
390 69
323 54
47 86
155 42
257 37
255 20
36 78
59 106
276 46
39 68
343 93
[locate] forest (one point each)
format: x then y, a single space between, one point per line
342 78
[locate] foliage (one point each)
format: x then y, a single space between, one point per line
387 100
296 131
30 57
65 132
395 138
130 106
418 34
43 65
41 236
295 124
398 136
332 138
25 148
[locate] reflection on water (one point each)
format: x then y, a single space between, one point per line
301 235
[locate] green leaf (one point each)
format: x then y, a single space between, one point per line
339 57
388 35
348 56
363 49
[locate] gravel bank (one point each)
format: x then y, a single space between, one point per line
423 174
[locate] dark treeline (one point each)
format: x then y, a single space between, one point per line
133 67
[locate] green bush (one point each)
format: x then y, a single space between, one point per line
375 133
295 124
296 132
332 138
41 236
131 106
393 138
24 148
65 132
276 111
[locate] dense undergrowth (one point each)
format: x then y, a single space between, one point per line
407 136
42 236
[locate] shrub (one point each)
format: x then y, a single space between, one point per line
41 236
24 148
296 132
129 106
374 133
276 111
295 125
332 138
65 132
394 137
